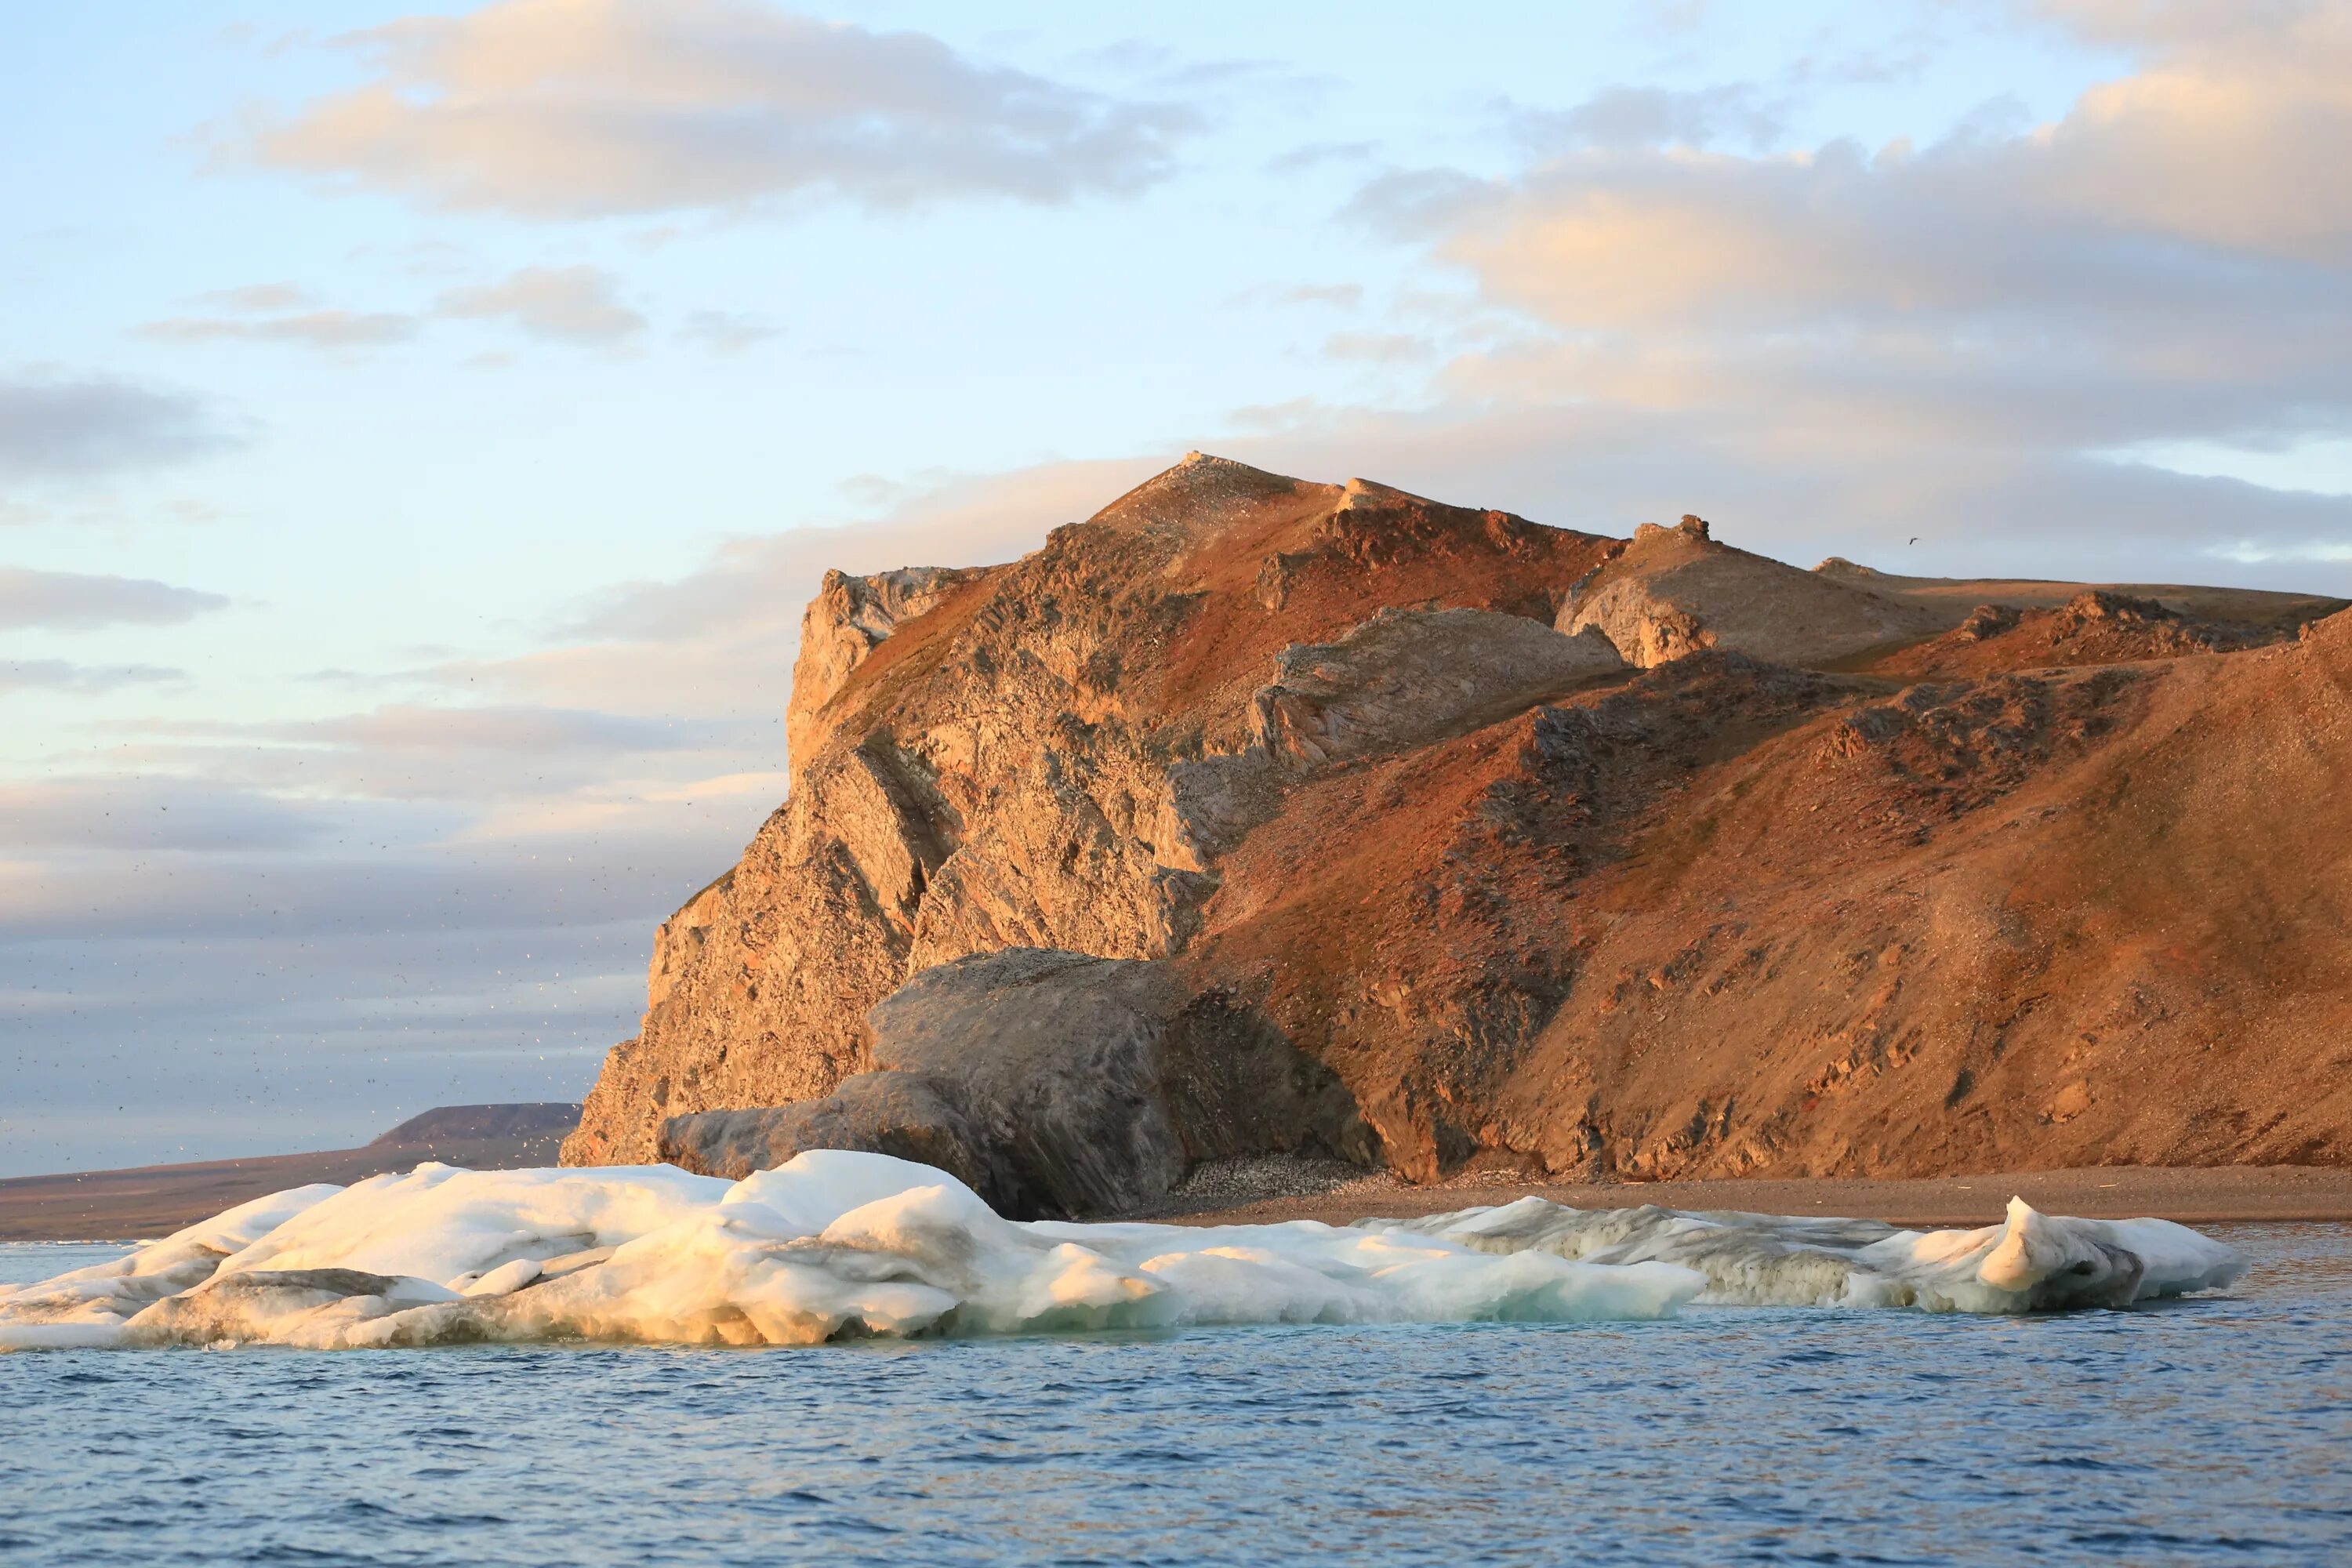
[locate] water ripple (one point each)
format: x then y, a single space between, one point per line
2205 1431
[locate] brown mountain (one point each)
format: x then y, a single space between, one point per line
1253 815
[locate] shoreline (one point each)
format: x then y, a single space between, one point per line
113 1206
2220 1194
151 1200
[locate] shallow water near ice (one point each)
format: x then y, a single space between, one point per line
2207 1429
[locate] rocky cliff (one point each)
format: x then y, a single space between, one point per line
1253 815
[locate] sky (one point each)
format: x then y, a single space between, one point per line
421 427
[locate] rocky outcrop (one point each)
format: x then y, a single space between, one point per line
2096 626
902 1114
847 620
1054 1084
1257 814
1406 678
1677 591
1051 755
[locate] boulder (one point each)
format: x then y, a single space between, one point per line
1054 1084
905 1114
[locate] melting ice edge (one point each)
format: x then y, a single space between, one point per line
837 1245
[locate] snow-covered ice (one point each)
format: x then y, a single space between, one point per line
2030 1262
839 1245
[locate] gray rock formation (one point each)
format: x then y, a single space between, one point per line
1052 1084
909 1115
1406 678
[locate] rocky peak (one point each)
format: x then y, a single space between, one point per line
1253 813
847 620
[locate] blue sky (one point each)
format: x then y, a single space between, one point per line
419 429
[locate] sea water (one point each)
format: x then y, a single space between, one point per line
2214 1429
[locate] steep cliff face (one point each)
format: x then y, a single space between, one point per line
1760 871
1049 755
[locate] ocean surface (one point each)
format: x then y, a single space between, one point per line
2217 1430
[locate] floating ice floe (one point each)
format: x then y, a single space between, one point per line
2032 1262
838 1245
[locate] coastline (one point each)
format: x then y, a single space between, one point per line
150 1200
2191 1194
155 1201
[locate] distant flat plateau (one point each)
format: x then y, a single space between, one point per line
155 1200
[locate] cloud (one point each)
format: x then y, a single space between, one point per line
1298 160
727 332
58 426
61 675
311 328
536 732
1336 296
761 582
1377 347
257 297
113 812
470 757
560 304
1950 340
73 601
1620 116
583 109
2230 134
717 645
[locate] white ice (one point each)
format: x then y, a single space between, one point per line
833 1244
2030 1262
839 1245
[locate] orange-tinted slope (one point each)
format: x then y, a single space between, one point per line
2066 885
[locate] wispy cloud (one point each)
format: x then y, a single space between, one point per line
727 332
55 425
578 305
580 108
256 297
1658 117
63 675
309 328
78 602
1336 296
1942 340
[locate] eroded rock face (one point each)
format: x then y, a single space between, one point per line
1406 678
1054 1084
1337 842
1046 754
847 620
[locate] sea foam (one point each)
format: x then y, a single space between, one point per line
839 1245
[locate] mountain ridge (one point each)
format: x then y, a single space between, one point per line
1562 855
